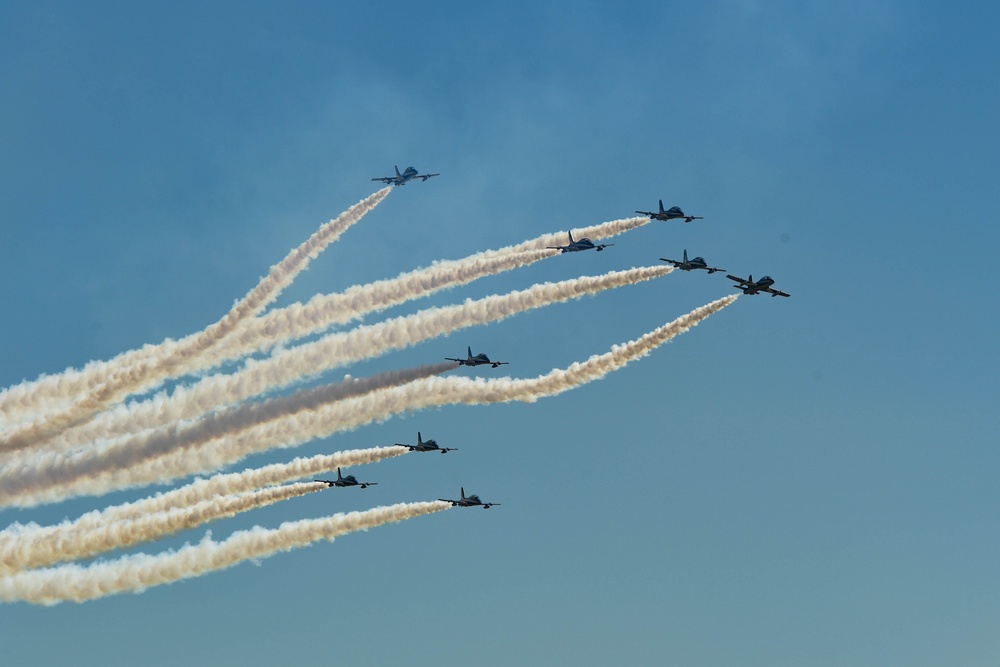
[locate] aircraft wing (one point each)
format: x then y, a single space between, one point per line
499 363
741 281
385 179
649 213
458 361
774 292
712 269
671 261
426 176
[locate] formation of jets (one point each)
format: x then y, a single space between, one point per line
748 286
479 360
577 246
421 446
401 179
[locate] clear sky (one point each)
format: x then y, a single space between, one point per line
802 481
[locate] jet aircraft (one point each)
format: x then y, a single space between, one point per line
345 481
750 286
401 179
672 213
426 446
688 265
468 501
577 246
479 360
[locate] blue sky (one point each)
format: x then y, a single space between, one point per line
796 481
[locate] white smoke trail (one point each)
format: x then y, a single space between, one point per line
139 572
53 476
325 310
14 538
28 398
68 545
144 370
324 419
334 350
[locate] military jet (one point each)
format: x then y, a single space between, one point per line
479 360
468 501
688 265
577 246
401 179
428 446
750 286
345 481
672 213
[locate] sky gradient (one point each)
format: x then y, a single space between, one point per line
796 481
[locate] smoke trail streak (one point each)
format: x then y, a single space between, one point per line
324 419
14 537
120 379
51 476
72 545
326 310
339 349
323 311
139 572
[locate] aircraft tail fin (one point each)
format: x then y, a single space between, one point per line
470 351
685 255
462 489
397 170
661 206
419 441
338 475
571 238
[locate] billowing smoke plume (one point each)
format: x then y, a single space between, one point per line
69 434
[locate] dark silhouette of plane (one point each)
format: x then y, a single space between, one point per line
672 213
345 481
401 179
688 265
479 360
426 446
749 286
577 246
468 501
